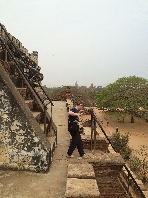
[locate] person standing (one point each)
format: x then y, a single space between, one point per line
73 128
116 129
107 123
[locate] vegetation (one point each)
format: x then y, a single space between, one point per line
140 166
128 94
55 91
137 165
120 144
118 116
83 94
125 98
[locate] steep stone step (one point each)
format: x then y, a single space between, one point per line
145 193
52 140
81 171
42 126
83 188
37 115
22 92
29 103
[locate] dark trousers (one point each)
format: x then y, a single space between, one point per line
76 142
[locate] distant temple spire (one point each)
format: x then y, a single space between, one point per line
76 84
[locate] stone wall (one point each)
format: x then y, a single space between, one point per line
101 143
23 145
107 169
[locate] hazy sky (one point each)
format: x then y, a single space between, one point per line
88 41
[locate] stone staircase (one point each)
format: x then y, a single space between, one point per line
26 109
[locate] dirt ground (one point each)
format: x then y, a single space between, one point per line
137 131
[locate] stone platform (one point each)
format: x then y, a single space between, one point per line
81 181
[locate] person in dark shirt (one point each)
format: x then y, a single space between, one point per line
73 128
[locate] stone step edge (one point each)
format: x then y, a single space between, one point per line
83 188
81 181
80 171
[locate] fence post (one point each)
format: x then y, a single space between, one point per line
45 120
91 131
94 136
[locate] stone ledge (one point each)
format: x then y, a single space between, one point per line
83 188
107 159
101 143
145 193
81 171
142 187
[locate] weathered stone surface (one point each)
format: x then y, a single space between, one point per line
101 142
107 159
82 188
23 146
80 171
145 193
142 187
138 181
22 92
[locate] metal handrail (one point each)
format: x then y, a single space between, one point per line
26 65
129 173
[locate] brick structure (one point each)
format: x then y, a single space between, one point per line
81 182
109 167
22 143
26 127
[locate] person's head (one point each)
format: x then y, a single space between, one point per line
79 105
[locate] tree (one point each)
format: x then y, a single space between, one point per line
127 93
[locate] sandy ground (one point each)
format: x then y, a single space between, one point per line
138 131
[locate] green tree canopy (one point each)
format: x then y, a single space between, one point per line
127 93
